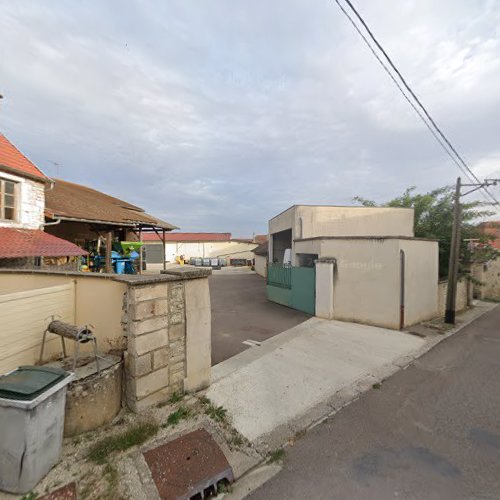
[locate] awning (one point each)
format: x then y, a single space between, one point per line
15 243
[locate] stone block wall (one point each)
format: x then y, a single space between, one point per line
158 332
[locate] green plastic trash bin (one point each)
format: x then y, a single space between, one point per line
32 401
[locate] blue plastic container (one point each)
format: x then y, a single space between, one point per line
120 266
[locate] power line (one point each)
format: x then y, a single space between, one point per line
436 131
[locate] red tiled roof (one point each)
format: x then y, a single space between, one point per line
34 243
492 228
12 158
260 238
188 237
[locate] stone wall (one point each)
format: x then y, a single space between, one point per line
30 204
488 277
463 291
158 330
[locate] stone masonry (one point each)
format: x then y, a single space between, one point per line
155 358
155 322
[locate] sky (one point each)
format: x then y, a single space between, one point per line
216 115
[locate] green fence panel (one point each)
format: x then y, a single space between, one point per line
279 276
279 295
304 289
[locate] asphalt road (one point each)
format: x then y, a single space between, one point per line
241 311
431 431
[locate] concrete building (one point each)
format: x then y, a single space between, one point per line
358 264
192 245
260 259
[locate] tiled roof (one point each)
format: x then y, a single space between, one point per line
34 243
492 228
188 237
260 238
74 201
13 159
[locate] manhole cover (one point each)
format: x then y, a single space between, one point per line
188 467
67 492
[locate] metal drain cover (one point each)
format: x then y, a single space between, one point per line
188 467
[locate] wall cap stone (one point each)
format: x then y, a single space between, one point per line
187 272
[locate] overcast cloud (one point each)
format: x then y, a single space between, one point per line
216 115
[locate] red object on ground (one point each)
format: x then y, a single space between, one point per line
15 243
67 492
12 158
188 465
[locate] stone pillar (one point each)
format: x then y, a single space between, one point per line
167 321
325 286
155 330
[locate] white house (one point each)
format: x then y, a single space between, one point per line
358 264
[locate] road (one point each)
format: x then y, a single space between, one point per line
431 431
241 311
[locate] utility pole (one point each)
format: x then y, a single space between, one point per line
451 294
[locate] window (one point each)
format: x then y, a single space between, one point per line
7 200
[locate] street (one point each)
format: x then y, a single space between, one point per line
431 431
241 311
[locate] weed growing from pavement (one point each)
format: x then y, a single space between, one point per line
217 413
111 475
176 397
276 456
134 435
377 385
30 496
175 417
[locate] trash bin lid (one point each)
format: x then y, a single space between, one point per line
27 382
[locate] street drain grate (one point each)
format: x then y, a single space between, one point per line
189 467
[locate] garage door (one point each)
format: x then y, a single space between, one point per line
154 254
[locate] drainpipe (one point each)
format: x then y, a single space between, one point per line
402 290
57 221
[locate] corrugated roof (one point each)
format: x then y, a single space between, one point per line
188 237
12 159
71 201
262 249
16 243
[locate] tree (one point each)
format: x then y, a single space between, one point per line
434 218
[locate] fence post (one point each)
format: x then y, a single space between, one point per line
326 268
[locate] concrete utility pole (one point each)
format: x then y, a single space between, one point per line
451 294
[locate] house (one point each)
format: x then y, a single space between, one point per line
96 221
197 245
260 259
486 269
23 243
360 264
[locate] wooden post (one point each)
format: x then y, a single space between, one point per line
451 294
164 250
109 241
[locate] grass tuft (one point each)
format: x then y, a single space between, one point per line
217 413
276 456
377 385
136 434
175 417
176 397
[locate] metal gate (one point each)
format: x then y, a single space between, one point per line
292 286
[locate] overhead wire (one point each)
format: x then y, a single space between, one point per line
423 114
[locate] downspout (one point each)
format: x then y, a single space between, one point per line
57 221
402 290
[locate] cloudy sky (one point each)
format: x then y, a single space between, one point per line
216 115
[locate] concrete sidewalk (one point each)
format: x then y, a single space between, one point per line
293 379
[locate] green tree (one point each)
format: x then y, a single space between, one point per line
434 218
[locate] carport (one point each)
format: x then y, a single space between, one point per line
242 317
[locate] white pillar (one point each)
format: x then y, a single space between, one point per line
325 282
